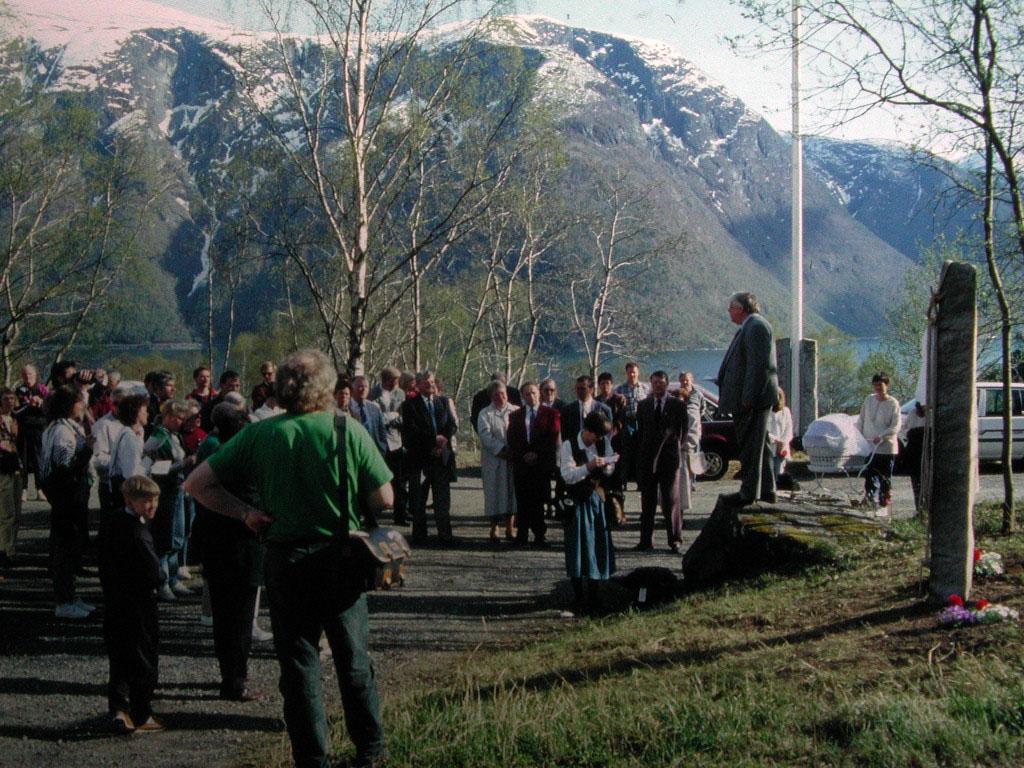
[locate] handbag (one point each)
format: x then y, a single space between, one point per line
376 554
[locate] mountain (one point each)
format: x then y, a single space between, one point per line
719 172
906 198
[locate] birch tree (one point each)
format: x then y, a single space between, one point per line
958 67
620 241
362 112
72 201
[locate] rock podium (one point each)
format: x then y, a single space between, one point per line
739 542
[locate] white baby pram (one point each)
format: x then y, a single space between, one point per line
835 446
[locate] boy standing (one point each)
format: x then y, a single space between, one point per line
130 574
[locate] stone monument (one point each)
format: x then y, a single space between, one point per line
951 460
808 380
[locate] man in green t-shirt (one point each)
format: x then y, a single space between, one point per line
291 461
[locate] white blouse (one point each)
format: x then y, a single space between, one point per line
126 455
573 474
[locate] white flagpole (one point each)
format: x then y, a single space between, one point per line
797 235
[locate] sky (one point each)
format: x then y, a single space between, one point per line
697 28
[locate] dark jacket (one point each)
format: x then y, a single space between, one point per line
571 417
419 437
659 440
749 374
544 440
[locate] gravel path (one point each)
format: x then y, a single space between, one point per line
455 602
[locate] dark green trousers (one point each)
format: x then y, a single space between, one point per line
308 591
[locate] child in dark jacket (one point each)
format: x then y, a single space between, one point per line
130 575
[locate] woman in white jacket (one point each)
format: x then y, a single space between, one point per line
499 493
879 422
64 477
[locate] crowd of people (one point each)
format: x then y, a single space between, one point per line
263 492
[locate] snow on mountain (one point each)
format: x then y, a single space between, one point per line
89 30
722 173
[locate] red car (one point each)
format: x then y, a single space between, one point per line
718 444
717 437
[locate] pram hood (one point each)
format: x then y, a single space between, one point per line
835 435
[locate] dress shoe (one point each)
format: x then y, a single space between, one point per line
736 500
674 547
769 498
150 726
643 547
121 722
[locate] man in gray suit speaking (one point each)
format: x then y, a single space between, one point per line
748 386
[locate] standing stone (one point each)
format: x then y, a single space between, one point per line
808 380
951 457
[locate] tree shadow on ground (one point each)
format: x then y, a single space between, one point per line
653 661
97 727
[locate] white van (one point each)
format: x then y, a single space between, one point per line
990 420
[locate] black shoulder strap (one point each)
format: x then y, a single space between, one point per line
368 517
339 428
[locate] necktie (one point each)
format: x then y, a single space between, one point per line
362 413
430 410
657 410
529 425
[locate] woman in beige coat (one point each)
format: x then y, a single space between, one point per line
499 493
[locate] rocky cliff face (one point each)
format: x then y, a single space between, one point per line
721 173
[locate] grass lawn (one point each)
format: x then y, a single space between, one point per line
840 665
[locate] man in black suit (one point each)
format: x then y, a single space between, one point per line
661 423
427 429
574 413
748 386
533 443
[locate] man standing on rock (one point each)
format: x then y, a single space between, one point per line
748 386
307 507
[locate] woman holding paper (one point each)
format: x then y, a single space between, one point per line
586 463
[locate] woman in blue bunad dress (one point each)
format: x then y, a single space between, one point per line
586 462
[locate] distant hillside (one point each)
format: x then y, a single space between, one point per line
719 171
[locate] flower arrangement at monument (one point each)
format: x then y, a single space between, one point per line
959 614
988 563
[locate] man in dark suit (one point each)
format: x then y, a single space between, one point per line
574 413
661 422
368 413
427 429
533 442
748 386
615 503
